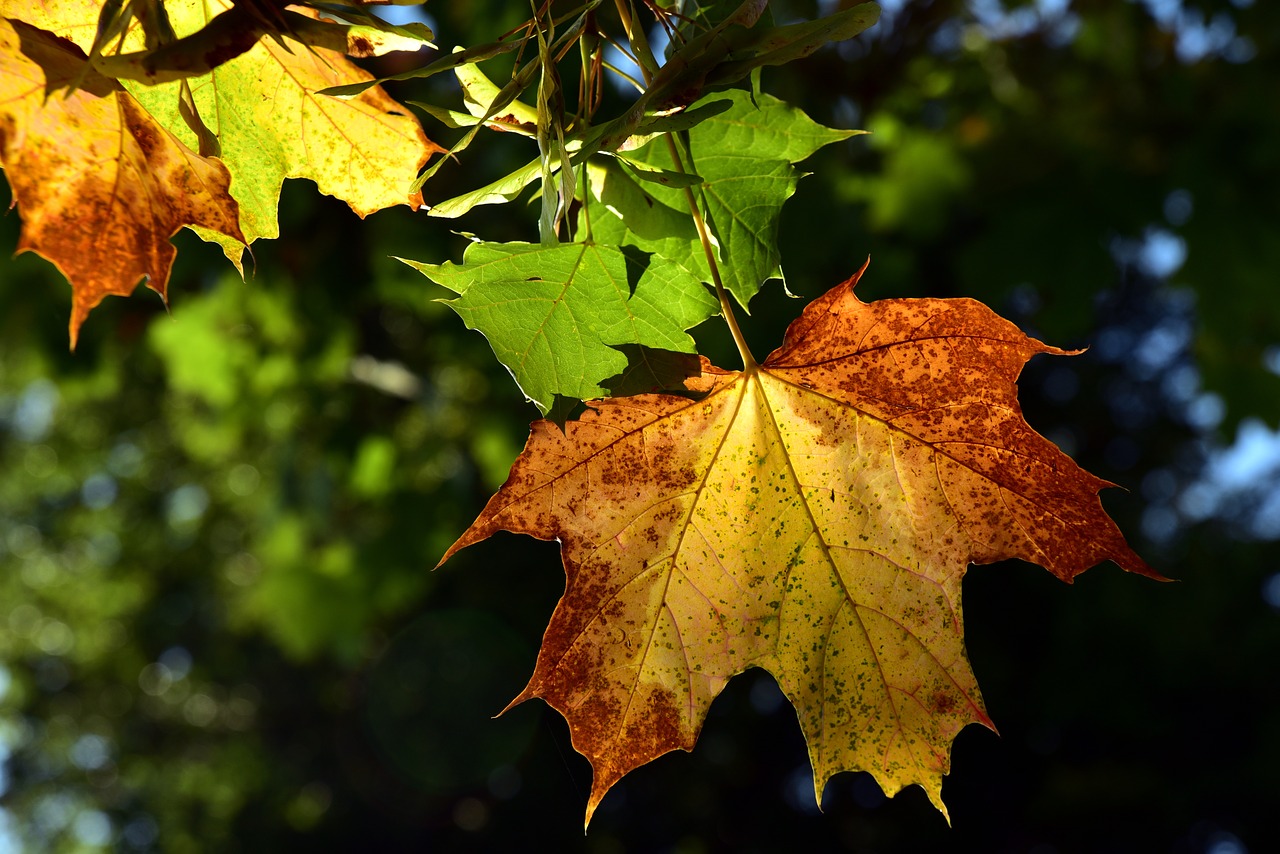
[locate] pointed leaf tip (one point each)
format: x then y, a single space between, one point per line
100 184
852 281
815 518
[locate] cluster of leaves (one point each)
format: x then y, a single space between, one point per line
106 169
812 515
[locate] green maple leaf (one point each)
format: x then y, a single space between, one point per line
555 314
744 157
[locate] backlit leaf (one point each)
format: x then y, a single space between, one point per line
744 157
271 123
780 45
555 314
813 516
502 190
263 105
101 186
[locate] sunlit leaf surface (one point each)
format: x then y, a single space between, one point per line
101 186
744 156
814 517
556 315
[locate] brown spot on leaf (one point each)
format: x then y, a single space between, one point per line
942 703
814 517
100 185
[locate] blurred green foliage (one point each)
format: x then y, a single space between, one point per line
218 627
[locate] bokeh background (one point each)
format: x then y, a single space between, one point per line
218 625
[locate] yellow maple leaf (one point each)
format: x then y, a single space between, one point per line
100 185
270 123
813 516
104 214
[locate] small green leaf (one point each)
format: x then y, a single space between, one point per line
780 45
446 117
445 63
745 156
682 120
555 315
502 190
653 175
478 92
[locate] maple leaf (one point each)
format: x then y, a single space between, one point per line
270 122
100 184
813 516
105 175
272 125
553 314
743 156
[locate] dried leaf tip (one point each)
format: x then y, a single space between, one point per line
852 281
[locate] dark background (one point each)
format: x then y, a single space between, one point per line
218 627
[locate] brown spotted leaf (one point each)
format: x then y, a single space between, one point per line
260 99
813 516
101 186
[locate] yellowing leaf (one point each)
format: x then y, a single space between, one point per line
272 125
100 185
813 516
263 105
270 122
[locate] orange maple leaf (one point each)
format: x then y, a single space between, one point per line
101 186
813 516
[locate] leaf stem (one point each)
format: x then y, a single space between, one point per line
586 208
643 54
704 236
